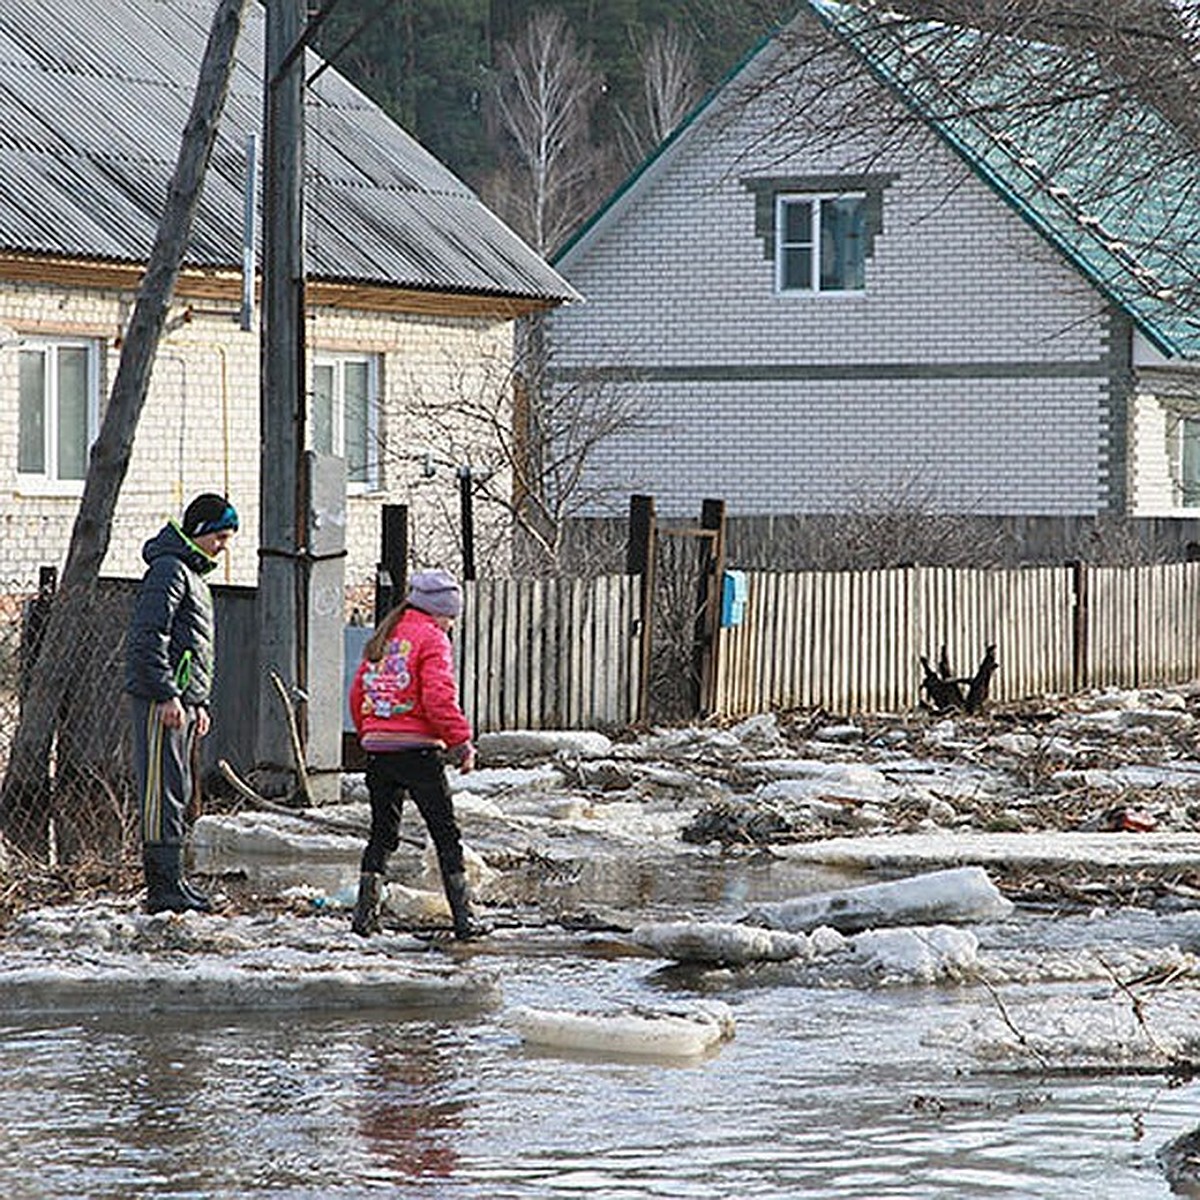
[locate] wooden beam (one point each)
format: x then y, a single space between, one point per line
221 284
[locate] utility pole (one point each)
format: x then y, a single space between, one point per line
282 568
301 569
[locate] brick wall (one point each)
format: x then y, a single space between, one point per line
975 359
199 429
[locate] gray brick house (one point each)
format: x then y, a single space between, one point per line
842 276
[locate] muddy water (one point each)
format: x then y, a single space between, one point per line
822 1093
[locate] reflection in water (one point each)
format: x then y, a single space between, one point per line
407 1110
824 1094
720 882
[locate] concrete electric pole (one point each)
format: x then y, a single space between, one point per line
301 573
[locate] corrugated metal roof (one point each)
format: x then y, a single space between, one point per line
94 97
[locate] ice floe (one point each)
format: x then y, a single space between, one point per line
108 957
718 942
964 894
686 1031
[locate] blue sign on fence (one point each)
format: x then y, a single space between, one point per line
733 599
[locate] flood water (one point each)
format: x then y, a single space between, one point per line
826 1092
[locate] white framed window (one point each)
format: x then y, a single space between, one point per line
820 242
58 411
343 414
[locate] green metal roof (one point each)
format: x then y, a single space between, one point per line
1104 177
1121 204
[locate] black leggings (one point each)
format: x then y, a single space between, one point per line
421 774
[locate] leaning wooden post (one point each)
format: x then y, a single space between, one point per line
708 604
639 560
27 797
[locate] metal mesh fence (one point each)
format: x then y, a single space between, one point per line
64 730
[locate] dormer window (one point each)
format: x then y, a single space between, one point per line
819 230
820 243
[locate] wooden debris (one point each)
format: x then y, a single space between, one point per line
946 692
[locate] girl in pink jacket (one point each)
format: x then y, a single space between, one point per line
404 703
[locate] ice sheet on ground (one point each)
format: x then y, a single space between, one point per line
216 837
502 781
823 958
520 745
851 779
1041 1028
934 954
960 895
1183 774
944 847
110 957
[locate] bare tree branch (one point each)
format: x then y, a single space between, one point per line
545 97
670 89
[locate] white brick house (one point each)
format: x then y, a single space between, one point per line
413 286
964 322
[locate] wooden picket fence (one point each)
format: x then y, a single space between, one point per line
551 653
567 653
1142 624
852 641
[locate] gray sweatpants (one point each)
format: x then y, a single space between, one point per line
162 772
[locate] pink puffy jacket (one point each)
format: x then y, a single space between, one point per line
409 697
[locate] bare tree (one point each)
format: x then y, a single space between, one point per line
670 89
545 95
527 450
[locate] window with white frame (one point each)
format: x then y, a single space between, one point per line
344 414
58 410
820 242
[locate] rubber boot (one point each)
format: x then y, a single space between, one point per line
370 900
162 864
459 896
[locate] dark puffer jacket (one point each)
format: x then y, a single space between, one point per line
169 647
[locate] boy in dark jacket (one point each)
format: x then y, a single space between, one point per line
168 675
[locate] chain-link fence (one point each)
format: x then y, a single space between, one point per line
64 733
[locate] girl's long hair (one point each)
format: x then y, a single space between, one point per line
377 642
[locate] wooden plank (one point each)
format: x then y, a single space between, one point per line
603 661
574 659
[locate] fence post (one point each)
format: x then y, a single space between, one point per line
392 569
708 604
467 518
1079 627
639 560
